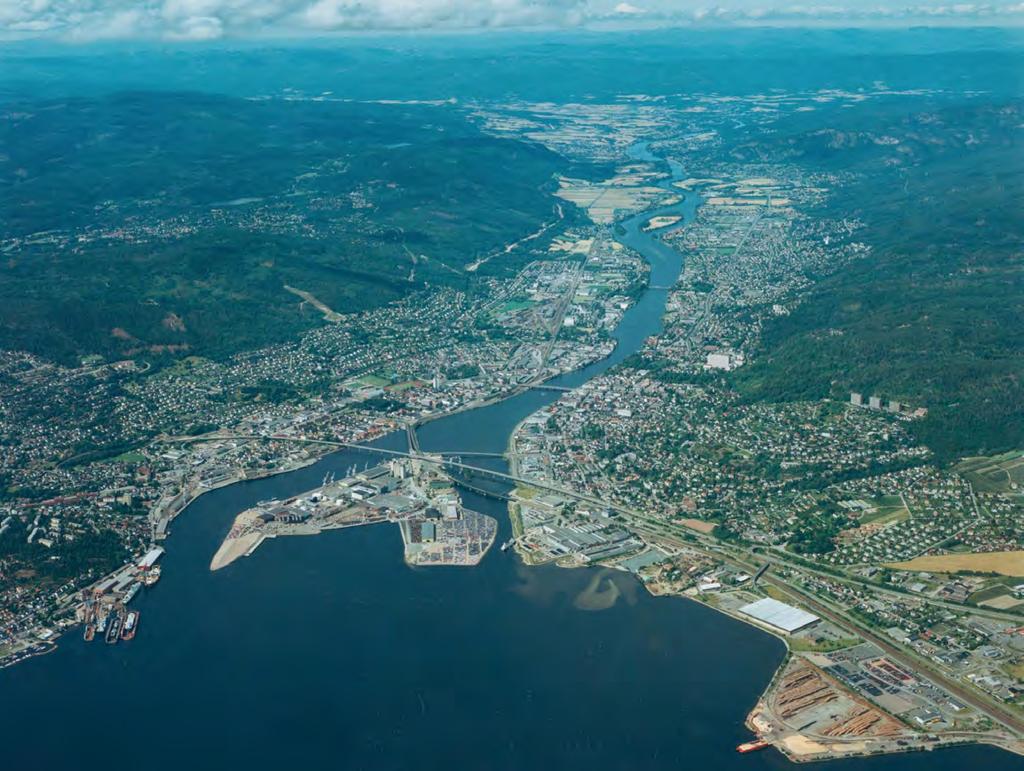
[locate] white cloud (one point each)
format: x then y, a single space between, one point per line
209 19
434 14
197 28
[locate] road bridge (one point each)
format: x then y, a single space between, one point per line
470 454
460 481
414 440
437 458
543 387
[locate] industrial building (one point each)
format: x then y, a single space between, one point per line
725 361
779 615
150 558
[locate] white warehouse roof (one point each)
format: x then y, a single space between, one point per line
779 614
151 557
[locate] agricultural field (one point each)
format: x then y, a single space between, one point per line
996 474
1005 563
604 201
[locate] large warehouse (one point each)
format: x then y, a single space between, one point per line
779 615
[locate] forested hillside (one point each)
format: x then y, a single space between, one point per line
934 316
172 222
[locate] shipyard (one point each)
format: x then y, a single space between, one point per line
104 611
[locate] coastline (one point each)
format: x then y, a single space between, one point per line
63 626
795 745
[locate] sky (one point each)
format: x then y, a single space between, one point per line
197 20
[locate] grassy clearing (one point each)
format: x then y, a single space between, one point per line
884 515
516 519
825 646
130 457
513 305
1015 670
373 381
776 594
526 493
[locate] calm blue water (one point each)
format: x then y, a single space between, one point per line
330 653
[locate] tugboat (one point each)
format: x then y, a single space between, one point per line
131 624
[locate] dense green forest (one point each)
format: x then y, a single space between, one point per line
934 316
141 220
99 551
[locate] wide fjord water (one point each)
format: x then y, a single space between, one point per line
329 652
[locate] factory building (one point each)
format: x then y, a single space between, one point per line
778 615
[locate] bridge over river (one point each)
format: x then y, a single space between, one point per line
446 459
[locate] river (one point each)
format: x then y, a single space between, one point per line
329 652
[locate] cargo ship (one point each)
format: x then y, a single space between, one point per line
508 544
114 630
152 576
131 624
132 591
753 746
90 632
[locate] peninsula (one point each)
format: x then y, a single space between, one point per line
414 494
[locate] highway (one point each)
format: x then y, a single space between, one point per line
992 613
910 659
843 620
